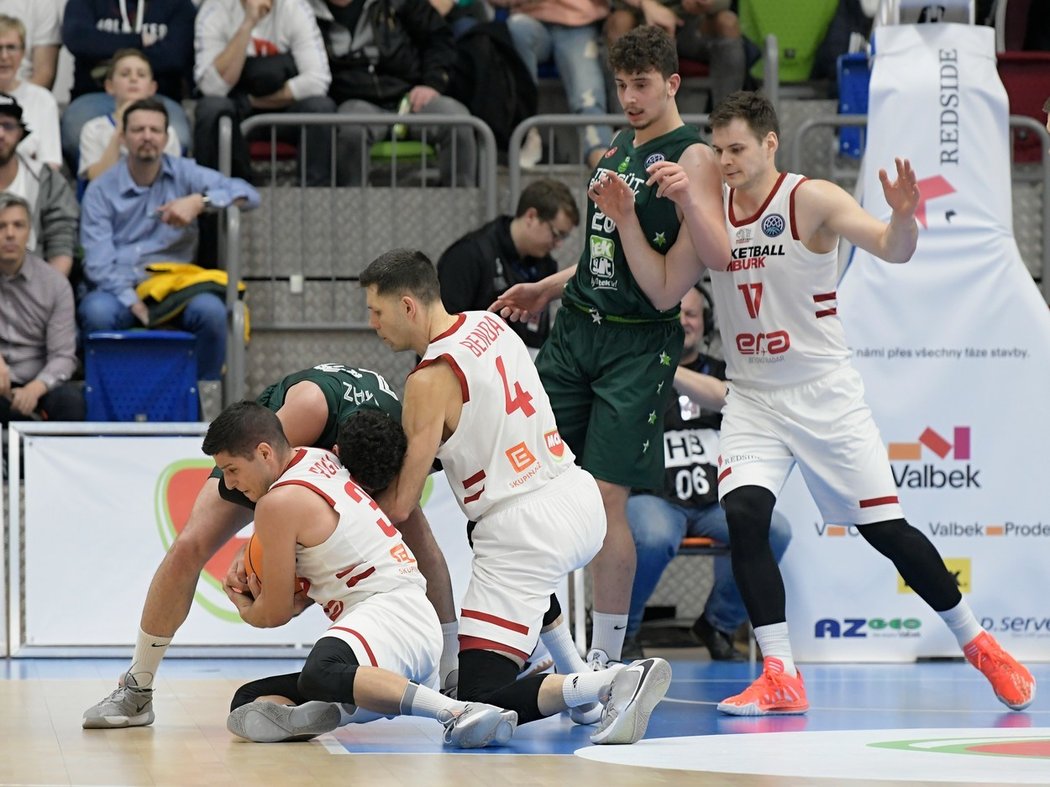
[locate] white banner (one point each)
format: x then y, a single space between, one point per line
100 513
954 348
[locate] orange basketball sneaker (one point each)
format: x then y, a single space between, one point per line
1011 682
773 693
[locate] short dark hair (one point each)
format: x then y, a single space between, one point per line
240 428
402 271
548 196
751 107
644 48
120 54
150 104
372 447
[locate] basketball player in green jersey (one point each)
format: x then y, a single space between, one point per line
608 365
310 405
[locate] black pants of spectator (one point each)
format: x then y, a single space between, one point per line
317 151
64 403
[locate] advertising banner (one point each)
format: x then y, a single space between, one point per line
100 514
954 349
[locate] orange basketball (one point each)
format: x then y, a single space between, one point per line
253 562
253 557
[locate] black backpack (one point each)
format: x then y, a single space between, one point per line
491 81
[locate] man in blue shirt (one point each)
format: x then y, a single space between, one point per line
145 210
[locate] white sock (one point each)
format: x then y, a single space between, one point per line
562 649
449 651
607 633
582 688
421 701
961 621
149 652
774 642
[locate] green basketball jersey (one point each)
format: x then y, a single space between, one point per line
346 391
603 280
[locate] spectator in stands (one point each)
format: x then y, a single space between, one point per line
258 56
40 110
37 328
145 210
461 15
704 30
688 503
93 30
128 78
43 38
52 205
566 30
413 64
480 266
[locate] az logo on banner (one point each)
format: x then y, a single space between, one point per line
928 476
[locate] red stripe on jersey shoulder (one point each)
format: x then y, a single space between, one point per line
456 370
762 209
791 209
460 319
299 454
308 485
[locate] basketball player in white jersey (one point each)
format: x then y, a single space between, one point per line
475 402
379 657
794 397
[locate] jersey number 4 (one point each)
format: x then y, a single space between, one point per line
522 399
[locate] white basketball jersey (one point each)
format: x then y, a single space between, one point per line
364 555
507 442
776 303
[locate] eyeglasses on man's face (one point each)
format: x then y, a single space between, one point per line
556 233
10 49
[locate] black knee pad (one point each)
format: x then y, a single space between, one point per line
483 672
329 672
749 511
279 685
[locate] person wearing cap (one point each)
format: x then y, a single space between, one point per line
37 328
39 107
144 210
52 204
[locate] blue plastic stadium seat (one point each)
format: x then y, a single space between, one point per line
141 376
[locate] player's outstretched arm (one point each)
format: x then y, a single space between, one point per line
522 301
840 214
429 393
705 390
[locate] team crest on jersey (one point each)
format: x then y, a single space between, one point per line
555 444
610 152
773 225
653 159
743 236
602 252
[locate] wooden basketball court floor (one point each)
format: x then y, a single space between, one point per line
926 723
